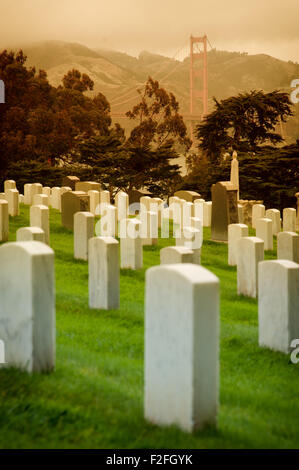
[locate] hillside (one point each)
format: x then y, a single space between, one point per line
118 74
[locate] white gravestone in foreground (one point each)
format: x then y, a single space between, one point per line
27 307
83 231
103 266
250 253
181 346
278 304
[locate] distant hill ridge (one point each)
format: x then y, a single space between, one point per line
116 74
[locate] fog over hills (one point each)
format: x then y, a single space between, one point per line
118 74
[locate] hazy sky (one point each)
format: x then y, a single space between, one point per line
163 26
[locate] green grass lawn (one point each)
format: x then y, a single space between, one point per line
94 399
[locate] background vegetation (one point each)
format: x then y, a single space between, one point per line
48 131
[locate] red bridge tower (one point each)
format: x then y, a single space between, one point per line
198 76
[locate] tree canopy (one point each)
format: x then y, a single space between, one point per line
144 159
243 122
39 122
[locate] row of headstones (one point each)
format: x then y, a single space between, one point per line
181 322
227 209
289 218
98 203
134 234
88 196
248 252
150 217
39 224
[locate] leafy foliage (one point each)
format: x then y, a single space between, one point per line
243 123
39 122
271 174
159 122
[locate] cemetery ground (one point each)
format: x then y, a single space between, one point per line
94 399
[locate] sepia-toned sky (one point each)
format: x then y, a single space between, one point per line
162 26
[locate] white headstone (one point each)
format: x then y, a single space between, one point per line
264 230
9 184
175 255
55 198
122 204
156 205
4 220
207 213
289 219
36 188
274 215
258 212
188 213
83 231
41 199
241 213
149 227
13 202
181 346
172 203
103 266
26 234
198 208
145 202
94 198
104 201
27 307
250 253
107 225
27 193
235 232
278 304
64 189
131 255
47 191
39 217
234 173
288 246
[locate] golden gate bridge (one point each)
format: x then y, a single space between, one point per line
198 81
